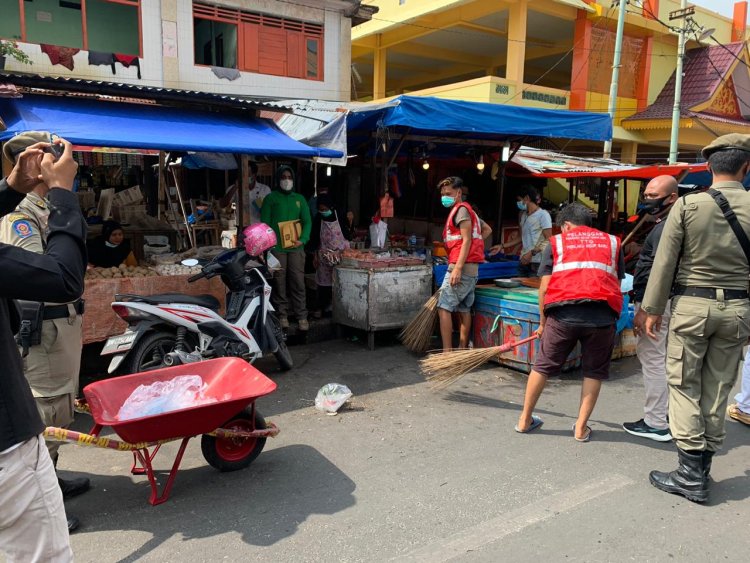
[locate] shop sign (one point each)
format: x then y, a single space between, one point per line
545 98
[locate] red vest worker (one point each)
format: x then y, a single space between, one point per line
463 239
579 302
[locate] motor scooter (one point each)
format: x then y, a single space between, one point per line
172 328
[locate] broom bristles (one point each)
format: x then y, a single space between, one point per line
416 336
445 368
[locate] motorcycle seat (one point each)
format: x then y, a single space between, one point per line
208 301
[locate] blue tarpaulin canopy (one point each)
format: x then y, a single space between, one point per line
138 126
475 121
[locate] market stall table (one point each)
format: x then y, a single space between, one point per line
100 322
373 299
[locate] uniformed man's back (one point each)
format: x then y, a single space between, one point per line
711 254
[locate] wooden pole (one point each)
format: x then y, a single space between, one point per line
162 188
243 181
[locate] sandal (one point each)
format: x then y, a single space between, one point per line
586 437
536 422
736 414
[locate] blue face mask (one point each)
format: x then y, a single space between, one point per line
447 201
521 205
326 213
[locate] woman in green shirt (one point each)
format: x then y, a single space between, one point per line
284 204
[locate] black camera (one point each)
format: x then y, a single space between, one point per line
55 150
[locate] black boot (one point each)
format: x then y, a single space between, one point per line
73 524
707 459
73 487
687 480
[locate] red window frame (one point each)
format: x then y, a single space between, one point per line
250 49
84 25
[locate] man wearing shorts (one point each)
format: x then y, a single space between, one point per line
465 246
579 301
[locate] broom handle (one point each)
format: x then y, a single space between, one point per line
511 345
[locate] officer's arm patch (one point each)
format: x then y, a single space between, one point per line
23 229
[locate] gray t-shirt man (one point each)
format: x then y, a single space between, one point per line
532 227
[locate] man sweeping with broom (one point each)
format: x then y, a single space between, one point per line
463 241
579 301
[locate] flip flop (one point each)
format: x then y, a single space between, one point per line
536 422
586 438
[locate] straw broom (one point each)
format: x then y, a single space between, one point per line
417 334
445 368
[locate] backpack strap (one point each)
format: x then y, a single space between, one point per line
731 218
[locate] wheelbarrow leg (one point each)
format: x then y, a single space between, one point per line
144 457
141 469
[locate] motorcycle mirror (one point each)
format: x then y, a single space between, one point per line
190 262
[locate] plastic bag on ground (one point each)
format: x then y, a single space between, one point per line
182 392
332 397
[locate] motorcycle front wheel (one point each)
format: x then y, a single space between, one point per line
283 356
149 353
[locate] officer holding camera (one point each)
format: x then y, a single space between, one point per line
32 518
50 336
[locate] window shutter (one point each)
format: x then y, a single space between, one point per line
294 51
272 51
249 47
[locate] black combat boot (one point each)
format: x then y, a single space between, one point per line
707 459
687 480
73 487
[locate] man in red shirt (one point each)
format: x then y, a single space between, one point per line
465 245
579 301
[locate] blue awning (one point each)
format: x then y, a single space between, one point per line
138 126
476 121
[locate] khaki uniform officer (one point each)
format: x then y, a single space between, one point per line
52 366
710 313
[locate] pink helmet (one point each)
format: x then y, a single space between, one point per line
258 238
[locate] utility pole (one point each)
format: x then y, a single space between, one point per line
614 87
683 13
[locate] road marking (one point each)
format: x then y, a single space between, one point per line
514 521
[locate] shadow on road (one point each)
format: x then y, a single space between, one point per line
264 503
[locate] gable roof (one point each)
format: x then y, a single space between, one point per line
705 71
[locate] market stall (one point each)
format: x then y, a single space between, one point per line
112 139
374 297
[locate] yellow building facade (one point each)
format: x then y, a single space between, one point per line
553 54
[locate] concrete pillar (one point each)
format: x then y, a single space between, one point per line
379 70
581 55
517 20
629 153
170 61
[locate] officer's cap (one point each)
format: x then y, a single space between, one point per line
16 145
728 142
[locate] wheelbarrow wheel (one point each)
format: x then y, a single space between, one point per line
231 454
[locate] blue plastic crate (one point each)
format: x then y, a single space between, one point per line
487 271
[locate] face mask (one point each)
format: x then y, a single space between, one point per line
286 185
521 205
447 201
326 213
110 244
653 206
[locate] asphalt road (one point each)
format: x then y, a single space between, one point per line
408 474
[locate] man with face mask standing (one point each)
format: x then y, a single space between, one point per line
52 363
658 198
702 261
463 239
282 205
536 229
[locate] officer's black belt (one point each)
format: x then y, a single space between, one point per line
52 312
709 292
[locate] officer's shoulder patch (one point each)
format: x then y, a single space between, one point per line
13 217
40 204
23 228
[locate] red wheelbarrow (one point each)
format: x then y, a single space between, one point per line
233 432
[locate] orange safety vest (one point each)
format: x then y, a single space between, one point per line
584 268
453 239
